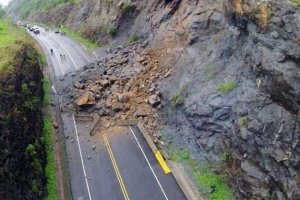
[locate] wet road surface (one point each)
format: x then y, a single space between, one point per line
115 163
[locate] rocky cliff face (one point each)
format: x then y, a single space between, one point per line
223 76
22 150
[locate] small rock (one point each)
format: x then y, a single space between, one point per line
89 157
275 35
104 83
142 111
140 58
154 100
78 85
107 125
123 97
167 74
94 147
113 79
55 125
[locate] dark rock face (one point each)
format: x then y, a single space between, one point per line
21 167
257 122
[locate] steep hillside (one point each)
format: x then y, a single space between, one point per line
218 79
22 149
23 8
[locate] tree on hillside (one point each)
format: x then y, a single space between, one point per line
2 12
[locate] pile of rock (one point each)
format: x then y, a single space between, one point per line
115 86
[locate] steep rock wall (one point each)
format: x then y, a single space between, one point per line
22 150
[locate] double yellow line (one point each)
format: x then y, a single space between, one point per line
117 171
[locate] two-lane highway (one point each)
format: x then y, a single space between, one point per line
114 164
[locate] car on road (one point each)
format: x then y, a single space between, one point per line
30 28
36 31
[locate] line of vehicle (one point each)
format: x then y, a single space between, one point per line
147 160
115 166
73 61
81 158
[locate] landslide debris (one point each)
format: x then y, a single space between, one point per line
119 86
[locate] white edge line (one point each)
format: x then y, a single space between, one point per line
73 61
148 163
79 147
53 88
59 64
79 49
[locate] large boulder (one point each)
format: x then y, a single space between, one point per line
86 98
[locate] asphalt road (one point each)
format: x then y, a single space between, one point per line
114 164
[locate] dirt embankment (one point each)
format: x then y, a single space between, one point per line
22 148
218 78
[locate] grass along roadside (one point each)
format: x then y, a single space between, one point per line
10 40
87 42
50 168
47 90
209 183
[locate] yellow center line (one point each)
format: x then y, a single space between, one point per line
115 166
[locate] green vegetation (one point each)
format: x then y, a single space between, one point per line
210 183
2 12
10 38
225 157
89 43
36 165
178 154
47 90
126 7
50 166
18 53
296 2
177 100
226 87
25 7
30 101
109 1
42 59
211 70
243 121
133 38
50 169
111 30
